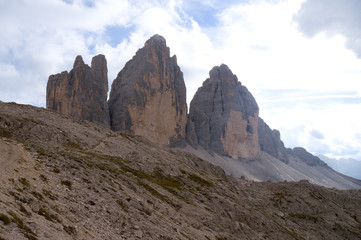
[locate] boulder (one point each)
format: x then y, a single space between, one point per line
224 116
148 97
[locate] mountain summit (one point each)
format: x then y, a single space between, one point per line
148 97
225 116
81 93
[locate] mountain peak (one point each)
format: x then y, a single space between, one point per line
225 116
148 97
222 73
81 93
78 61
156 38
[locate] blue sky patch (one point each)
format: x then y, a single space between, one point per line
116 34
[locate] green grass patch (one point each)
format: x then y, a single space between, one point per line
72 145
42 153
37 195
185 235
221 238
23 210
25 182
303 217
34 121
209 210
165 180
155 193
69 229
5 219
201 181
28 233
280 195
50 217
49 194
122 205
197 179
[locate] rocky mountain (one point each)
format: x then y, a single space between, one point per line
63 178
81 93
224 129
148 97
224 116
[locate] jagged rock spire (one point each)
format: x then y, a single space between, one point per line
224 116
81 93
148 97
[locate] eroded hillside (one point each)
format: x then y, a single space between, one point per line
67 179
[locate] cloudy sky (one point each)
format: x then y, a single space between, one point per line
301 59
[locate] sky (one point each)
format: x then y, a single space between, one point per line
301 59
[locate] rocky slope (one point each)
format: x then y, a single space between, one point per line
224 129
348 166
148 97
63 178
81 93
224 116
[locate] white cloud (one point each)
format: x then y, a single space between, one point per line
184 36
258 40
332 17
335 125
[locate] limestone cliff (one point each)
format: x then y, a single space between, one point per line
224 116
81 93
307 157
270 141
148 97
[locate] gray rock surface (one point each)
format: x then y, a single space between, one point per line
307 157
270 141
225 116
148 97
81 93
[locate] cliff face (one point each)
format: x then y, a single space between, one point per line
224 116
270 141
307 157
148 97
81 93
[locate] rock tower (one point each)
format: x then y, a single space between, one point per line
81 93
148 97
224 116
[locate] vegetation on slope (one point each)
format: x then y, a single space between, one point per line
67 179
